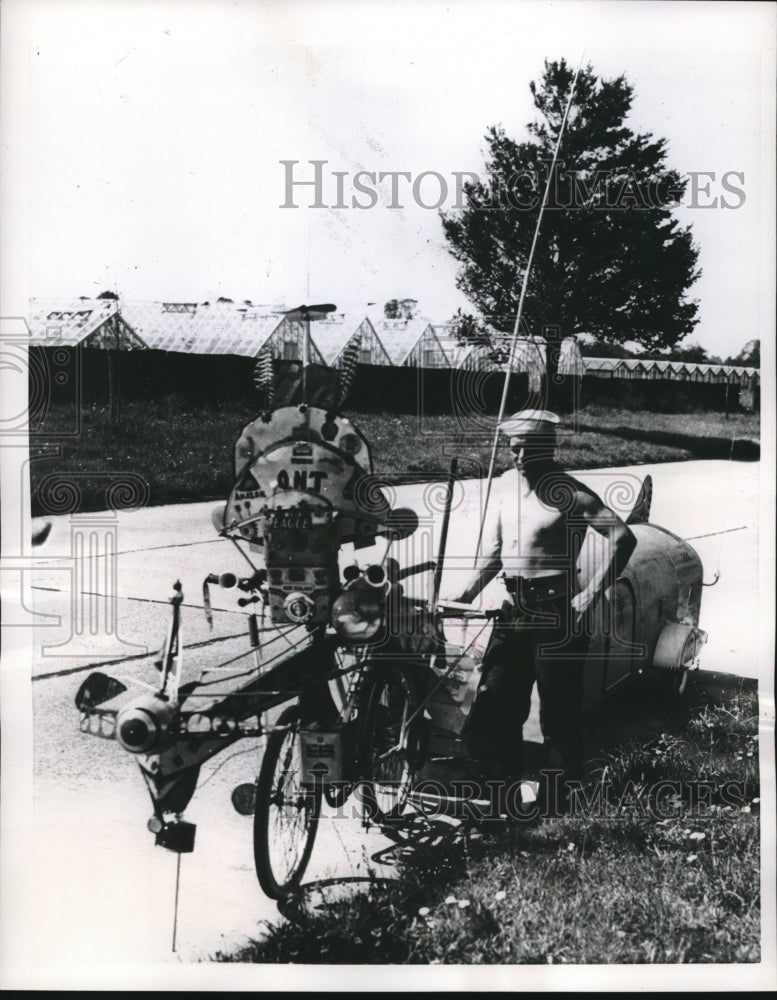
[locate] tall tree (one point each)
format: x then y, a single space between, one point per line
611 260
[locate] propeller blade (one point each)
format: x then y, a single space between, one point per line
96 689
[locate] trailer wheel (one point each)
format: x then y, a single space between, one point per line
668 683
676 650
676 682
287 812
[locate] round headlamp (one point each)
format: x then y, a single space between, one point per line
358 615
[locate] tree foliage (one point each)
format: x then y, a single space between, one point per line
694 353
690 352
611 260
400 309
470 329
749 356
605 349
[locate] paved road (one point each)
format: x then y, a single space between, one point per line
714 504
102 892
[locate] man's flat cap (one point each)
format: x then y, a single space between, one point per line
530 422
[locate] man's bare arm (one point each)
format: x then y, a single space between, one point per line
485 571
489 561
619 543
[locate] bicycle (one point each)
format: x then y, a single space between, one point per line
378 742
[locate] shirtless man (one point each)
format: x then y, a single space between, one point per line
534 529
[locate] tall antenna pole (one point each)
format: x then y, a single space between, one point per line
306 333
307 284
524 287
443 534
305 353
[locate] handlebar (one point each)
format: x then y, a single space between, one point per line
456 609
414 570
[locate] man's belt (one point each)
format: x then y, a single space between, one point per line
536 590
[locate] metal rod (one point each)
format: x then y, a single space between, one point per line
711 534
305 355
519 315
175 909
171 642
443 677
444 533
243 554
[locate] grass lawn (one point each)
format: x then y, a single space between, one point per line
185 453
677 882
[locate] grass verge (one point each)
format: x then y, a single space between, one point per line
184 454
674 883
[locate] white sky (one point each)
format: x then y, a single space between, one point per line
149 137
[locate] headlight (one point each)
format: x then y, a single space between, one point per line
358 614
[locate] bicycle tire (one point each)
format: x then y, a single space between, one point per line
286 814
387 756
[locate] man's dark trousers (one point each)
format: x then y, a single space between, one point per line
539 644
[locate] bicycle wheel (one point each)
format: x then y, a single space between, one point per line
286 814
387 745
